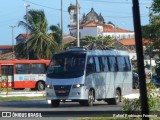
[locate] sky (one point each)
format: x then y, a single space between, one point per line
118 12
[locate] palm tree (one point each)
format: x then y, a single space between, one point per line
20 50
56 33
87 40
101 41
39 43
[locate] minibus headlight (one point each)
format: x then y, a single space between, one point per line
78 85
49 86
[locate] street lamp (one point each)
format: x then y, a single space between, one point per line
27 6
62 24
12 27
77 4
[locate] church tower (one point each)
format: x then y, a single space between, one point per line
73 15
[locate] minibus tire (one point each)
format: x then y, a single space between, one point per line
40 86
90 100
55 103
136 85
82 103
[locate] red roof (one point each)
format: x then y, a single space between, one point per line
110 28
131 41
24 35
4 47
88 24
14 61
91 24
106 27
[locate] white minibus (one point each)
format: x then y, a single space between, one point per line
86 76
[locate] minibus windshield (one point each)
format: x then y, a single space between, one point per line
67 65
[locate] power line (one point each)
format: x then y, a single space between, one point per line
105 1
122 16
44 6
102 1
87 0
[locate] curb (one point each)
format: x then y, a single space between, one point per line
35 94
27 94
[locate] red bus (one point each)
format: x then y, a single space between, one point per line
21 74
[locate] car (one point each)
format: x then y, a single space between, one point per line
135 82
156 80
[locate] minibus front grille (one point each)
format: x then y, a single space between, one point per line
62 90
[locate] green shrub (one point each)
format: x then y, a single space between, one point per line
132 106
4 79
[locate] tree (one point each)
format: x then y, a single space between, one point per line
39 43
105 41
56 33
87 40
152 31
156 6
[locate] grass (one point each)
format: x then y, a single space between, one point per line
21 98
5 90
116 118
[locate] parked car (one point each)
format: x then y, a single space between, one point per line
135 82
156 80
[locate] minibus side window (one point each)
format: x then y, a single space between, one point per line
121 63
90 68
127 64
97 64
113 64
105 64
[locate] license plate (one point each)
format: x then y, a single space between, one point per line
61 91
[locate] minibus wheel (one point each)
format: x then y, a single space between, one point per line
90 100
55 103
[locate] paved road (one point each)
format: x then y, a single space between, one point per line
64 111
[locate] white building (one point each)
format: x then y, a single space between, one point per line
93 24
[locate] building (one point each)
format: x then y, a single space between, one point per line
5 49
66 38
6 52
93 24
22 37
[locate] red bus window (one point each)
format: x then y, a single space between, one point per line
22 68
38 68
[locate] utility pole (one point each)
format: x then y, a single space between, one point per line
27 51
62 24
140 59
115 31
12 27
77 7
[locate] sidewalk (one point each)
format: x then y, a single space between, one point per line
43 93
132 96
23 93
